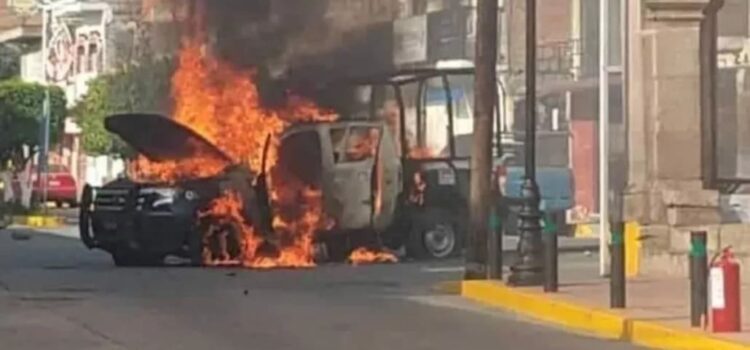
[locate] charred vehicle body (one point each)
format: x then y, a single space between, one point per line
139 223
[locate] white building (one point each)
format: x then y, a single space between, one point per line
68 43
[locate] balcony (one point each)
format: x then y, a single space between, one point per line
559 60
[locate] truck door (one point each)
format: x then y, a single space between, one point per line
349 179
387 184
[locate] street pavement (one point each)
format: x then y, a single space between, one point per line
55 294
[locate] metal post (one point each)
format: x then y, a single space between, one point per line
402 121
550 257
495 243
420 141
617 277
528 269
481 154
451 117
698 278
603 134
44 164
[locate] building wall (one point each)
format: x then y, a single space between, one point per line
553 25
553 18
733 19
81 41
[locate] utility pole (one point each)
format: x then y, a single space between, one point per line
527 271
603 137
485 99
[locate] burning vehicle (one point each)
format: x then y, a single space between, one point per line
337 189
228 215
139 223
230 179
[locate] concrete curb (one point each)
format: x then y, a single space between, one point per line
598 322
38 221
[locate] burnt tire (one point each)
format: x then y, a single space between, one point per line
337 248
84 218
219 241
435 234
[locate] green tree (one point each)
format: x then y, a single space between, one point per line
10 61
21 108
143 87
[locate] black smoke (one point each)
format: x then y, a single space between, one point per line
266 35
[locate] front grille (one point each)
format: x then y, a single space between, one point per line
111 199
116 199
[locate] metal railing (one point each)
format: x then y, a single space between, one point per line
561 59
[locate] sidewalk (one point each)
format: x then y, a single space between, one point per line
657 313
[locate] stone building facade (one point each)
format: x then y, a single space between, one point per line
672 155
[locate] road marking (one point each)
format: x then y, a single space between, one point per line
443 269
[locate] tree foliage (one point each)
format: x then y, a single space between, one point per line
21 108
144 87
10 61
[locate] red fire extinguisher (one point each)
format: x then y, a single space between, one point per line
725 293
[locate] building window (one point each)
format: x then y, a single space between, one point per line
81 66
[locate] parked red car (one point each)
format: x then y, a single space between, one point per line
61 186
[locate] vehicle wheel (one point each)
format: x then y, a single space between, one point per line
225 243
337 248
435 234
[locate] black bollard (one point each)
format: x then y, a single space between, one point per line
617 265
549 237
698 278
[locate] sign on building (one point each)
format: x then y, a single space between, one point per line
448 31
410 40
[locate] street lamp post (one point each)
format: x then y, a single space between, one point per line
527 271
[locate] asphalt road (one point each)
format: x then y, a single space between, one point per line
54 294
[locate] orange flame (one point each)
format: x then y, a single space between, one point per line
222 104
296 252
363 255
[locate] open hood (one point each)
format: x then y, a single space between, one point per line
160 139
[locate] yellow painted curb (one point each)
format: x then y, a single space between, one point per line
601 323
658 336
38 221
535 305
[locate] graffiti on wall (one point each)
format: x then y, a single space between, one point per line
68 54
59 51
